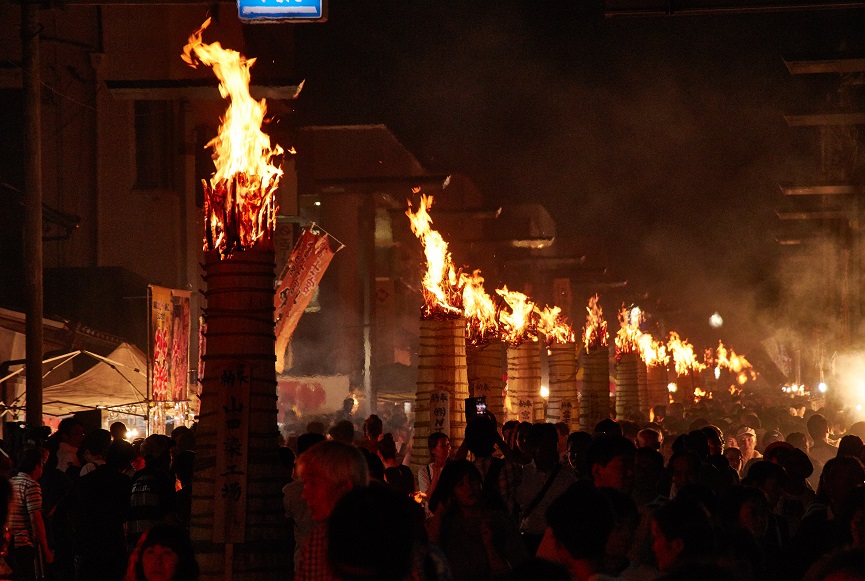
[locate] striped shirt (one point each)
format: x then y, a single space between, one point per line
26 499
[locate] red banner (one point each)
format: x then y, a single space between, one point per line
169 344
306 265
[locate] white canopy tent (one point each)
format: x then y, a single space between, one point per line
116 382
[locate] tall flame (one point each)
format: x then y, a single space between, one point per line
478 308
728 359
628 337
240 207
517 325
652 351
595 331
555 326
441 292
683 355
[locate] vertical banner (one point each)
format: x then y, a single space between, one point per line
169 344
303 271
232 452
440 408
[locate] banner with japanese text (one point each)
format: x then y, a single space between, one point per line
303 271
168 335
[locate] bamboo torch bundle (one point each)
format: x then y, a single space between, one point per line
442 385
643 386
656 386
484 365
564 401
627 385
595 393
524 381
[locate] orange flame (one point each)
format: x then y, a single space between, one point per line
653 352
240 207
595 331
628 337
478 308
727 359
683 355
552 324
441 290
516 326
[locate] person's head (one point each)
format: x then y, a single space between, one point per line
95 445
523 437
648 472
611 459
768 477
798 440
734 457
163 553
747 439
608 427
373 427
342 431
156 450
563 431
715 438
681 531
460 486
374 464
770 437
677 411
118 431
818 427
509 428
329 469
578 447
316 427
308 440
649 438
659 412
71 431
545 449
119 455
580 521
684 469
347 405
481 436
387 447
850 445
31 461
439 447
843 565
370 535
184 438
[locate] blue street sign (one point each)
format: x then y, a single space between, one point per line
282 10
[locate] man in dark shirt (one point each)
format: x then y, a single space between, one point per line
152 498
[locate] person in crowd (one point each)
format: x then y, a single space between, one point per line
522 450
164 553
648 475
800 440
797 494
30 551
843 565
342 431
747 439
607 427
479 540
543 480
855 511
611 461
118 431
579 523
296 509
626 520
822 449
824 527
428 476
649 438
372 433
681 534
372 533
396 475
100 516
329 470
578 458
500 477
93 448
684 469
182 463
563 431
850 445
70 432
152 498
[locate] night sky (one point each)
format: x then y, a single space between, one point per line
658 143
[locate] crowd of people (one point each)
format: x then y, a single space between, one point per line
92 506
709 491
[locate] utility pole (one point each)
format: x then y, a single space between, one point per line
30 32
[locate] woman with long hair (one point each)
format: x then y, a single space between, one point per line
480 542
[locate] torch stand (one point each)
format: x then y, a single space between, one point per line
237 526
524 382
564 402
595 397
627 385
484 368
